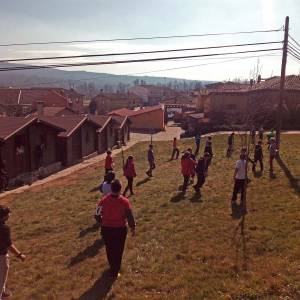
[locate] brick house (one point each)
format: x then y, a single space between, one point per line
261 98
105 102
78 141
150 118
26 144
152 94
21 102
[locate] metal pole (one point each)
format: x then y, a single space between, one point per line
282 80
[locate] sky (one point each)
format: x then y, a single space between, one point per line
65 20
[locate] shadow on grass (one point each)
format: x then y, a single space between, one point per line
95 189
143 181
100 288
178 197
237 211
85 231
294 182
239 243
196 198
257 174
88 252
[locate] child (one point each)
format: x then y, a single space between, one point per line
230 142
239 178
175 149
129 173
151 161
193 157
6 246
197 142
187 169
208 149
201 171
258 156
105 186
109 162
273 152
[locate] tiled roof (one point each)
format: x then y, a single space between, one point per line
130 113
226 86
51 111
292 82
68 123
31 96
102 121
9 126
119 120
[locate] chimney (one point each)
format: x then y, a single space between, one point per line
40 108
258 78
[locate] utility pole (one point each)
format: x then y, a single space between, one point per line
282 80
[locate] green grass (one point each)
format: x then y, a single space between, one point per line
183 249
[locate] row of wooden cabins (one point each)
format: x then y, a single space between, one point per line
39 146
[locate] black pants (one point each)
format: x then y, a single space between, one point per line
260 160
186 180
114 239
200 182
239 186
175 151
129 185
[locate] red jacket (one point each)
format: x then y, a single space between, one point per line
188 166
129 169
109 162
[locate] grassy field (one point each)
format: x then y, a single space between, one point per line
184 248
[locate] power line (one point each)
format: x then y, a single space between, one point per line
294 40
294 59
140 38
129 61
154 71
139 52
294 49
294 54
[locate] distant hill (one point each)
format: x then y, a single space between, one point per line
87 82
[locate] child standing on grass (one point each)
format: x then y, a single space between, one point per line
105 186
187 169
258 156
239 177
201 171
175 149
6 245
208 149
109 162
230 142
273 152
129 173
197 142
151 161
114 211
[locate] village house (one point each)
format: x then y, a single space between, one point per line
104 102
22 102
150 118
234 106
79 140
28 148
153 95
121 129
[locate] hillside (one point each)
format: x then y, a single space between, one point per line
85 82
184 248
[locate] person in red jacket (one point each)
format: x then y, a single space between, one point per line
109 162
187 169
129 173
114 210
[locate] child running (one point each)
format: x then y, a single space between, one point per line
105 186
109 162
129 173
